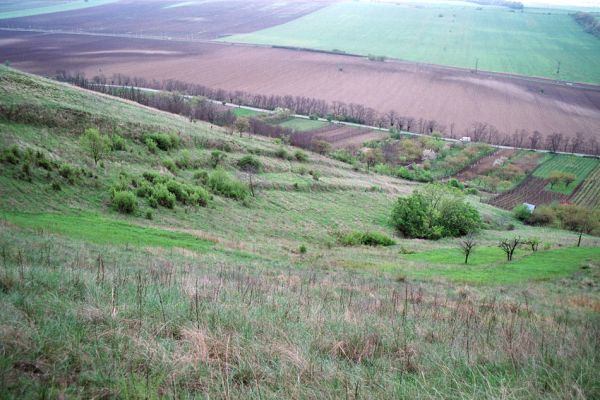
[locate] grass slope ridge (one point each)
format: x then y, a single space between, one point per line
257 298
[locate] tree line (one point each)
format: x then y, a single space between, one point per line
347 112
590 23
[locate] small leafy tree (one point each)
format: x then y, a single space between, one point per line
579 219
241 125
216 158
95 144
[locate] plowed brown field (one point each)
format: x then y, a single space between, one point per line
449 96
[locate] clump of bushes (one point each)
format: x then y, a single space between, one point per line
434 212
124 201
249 163
161 196
117 143
301 156
12 155
222 183
163 141
521 212
366 239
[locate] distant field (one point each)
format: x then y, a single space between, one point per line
17 9
301 124
579 166
243 112
527 43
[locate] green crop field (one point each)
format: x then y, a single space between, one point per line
258 296
302 124
526 43
243 112
579 166
16 9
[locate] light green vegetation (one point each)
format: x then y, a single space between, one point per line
16 9
579 166
243 112
488 264
526 43
98 229
258 299
302 124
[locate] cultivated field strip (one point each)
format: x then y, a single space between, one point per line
530 191
588 193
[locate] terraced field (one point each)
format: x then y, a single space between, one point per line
588 194
579 166
530 191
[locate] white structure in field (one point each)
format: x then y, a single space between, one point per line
465 139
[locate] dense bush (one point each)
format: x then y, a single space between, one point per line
542 215
12 155
367 239
249 164
433 212
118 143
161 196
151 144
222 183
164 141
124 202
521 212
301 156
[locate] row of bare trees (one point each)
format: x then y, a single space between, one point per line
349 112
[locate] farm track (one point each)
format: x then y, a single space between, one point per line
531 190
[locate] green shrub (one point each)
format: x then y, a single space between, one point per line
343 156
184 161
221 183
301 156
67 171
12 155
124 201
472 191
201 176
55 186
282 153
151 144
170 165
455 183
42 161
216 158
164 141
366 239
149 214
302 249
152 177
117 143
144 189
161 196
521 212
433 212
249 164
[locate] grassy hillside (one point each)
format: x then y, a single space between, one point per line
255 296
526 43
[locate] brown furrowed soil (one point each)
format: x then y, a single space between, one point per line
454 98
531 190
344 136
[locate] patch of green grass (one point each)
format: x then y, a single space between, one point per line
480 256
98 229
244 112
487 267
580 166
302 124
17 9
527 43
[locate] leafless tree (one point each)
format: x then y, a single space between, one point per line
467 245
553 141
509 246
534 139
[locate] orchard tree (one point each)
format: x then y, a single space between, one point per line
579 219
467 245
95 144
509 246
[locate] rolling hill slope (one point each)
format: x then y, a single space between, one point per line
210 291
